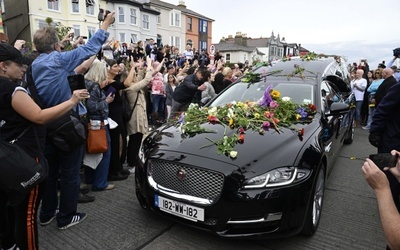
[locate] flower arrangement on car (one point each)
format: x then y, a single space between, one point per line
270 112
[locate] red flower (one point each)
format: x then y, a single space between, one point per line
301 132
212 119
312 106
241 138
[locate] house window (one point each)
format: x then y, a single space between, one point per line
134 38
202 45
176 41
53 5
203 26
42 24
90 7
146 24
228 58
175 19
77 30
75 6
121 15
133 16
158 16
122 37
189 24
91 31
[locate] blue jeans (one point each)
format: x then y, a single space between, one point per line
98 177
158 105
358 110
65 165
371 113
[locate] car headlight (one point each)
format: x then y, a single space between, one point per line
274 178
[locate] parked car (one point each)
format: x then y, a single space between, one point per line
274 185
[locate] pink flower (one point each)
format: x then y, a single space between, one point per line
242 131
268 114
266 125
273 104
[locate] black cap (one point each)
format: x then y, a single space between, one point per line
9 53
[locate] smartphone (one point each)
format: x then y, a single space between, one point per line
110 89
76 82
384 160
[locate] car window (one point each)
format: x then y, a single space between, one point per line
296 92
328 96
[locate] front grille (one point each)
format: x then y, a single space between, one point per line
199 183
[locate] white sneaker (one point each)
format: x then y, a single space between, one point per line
131 170
365 128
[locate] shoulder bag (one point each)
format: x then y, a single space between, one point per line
19 171
65 133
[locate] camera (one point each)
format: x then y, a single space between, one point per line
101 15
396 52
383 160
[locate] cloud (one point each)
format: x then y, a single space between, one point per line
374 52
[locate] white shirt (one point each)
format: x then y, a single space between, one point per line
358 87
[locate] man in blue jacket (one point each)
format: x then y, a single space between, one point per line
385 131
50 71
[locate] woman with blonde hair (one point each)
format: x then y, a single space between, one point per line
97 110
377 76
138 125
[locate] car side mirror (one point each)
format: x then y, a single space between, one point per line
339 108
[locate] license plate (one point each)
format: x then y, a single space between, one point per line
179 209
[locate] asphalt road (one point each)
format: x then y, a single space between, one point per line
350 218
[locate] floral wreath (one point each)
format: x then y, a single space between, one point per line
270 112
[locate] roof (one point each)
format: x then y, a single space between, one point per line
141 6
257 42
182 8
235 47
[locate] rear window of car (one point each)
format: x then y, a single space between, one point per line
296 92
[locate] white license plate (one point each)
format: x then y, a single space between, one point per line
179 209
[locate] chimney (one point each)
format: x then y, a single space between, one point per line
238 38
182 3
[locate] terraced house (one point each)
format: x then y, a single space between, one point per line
135 20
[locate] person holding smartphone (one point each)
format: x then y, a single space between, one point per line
390 217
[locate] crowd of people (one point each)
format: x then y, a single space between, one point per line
131 89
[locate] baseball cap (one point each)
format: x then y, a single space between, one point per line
9 53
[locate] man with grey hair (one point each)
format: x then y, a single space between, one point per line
358 87
50 71
389 81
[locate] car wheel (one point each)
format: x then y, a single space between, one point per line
315 207
350 134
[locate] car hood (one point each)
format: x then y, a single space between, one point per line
268 151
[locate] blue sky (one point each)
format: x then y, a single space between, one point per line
355 29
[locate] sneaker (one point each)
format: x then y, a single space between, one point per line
117 177
84 198
77 218
365 128
44 222
131 170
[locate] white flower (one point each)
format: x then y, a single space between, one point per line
286 98
233 154
230 113
212 111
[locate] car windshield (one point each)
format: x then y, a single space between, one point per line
296 92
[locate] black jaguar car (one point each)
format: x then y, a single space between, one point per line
273 184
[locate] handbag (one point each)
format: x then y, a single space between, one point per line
20 172
96 139
65 133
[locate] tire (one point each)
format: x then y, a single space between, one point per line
350 134
315 207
